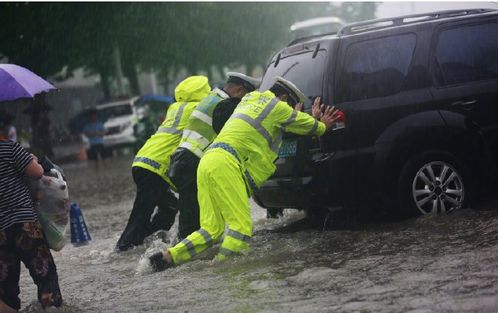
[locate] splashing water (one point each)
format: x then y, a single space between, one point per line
430 264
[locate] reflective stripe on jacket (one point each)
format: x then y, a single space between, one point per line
199 132
255 131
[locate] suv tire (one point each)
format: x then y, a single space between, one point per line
433 182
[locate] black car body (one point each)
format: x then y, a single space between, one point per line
420 99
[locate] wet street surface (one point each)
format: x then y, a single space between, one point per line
429 264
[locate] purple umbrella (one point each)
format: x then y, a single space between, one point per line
17 82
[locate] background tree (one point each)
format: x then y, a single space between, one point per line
32 35
56 38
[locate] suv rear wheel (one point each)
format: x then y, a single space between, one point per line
433 183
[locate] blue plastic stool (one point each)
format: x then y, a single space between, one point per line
79 232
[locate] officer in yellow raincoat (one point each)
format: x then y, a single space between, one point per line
203 126
238 161
152 162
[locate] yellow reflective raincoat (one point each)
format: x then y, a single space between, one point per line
155 153
199 132
239 160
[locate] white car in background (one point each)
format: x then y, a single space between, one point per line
119 118
315 27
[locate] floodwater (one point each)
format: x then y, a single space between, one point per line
430 264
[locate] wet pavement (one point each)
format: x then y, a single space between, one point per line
429 264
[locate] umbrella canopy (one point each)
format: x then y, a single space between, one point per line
156 98
78 122
17 82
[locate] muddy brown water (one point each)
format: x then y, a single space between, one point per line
429 264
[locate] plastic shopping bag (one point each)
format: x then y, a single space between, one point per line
51 197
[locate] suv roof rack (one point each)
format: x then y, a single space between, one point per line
306 38
404 20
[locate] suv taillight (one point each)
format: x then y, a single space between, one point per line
340 121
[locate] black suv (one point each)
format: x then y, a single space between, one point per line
419 95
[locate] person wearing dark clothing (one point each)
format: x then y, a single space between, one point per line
42 133
222 112
152 190
3 127
21 235
203 126
151 164
95 132
7 128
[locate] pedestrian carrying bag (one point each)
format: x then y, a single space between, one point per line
51 197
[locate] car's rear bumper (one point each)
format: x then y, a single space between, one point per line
126 137
284 193
335 180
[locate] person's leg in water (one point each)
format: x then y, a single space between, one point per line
102 152
92 155
10 272
167 207
41 267
26 242
183 173
150 189
188 206
223 198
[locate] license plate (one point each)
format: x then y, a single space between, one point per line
288 148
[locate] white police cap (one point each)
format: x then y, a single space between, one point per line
249 83
294 92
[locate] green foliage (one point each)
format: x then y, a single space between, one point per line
48 37
30 35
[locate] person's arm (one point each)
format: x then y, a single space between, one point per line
25 162
87 131
222 112
297 122
100 130
34 169
304 124
97 130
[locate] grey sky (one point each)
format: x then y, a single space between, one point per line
390 9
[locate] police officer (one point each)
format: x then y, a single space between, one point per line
203 125
152 162
238 161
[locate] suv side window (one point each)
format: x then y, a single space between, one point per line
376 68
468 53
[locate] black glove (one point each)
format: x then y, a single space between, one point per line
158 263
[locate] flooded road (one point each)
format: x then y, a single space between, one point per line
442 264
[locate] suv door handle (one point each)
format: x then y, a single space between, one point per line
467 105
322 157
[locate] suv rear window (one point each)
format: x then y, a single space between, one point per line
468 53
375 68
302 69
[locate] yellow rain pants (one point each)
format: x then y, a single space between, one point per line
223 200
